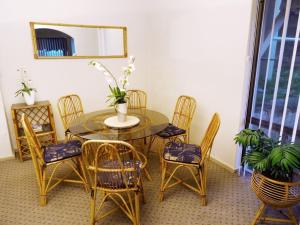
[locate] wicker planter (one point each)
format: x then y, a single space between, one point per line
277 194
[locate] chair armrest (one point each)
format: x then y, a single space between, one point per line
143 159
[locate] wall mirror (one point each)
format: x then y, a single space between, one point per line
59 41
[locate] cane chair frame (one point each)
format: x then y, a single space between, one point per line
92 151
136 99
47 183
183 114
198 171
69 108
278 195
182 118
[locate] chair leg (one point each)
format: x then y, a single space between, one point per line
160 153
142 192
202 180
43 191
163 175
86 186
292 216
137 207
151 141
93 206
259 214
145 170
43 200
203 200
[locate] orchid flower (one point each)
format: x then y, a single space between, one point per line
108 75
25 83
117 87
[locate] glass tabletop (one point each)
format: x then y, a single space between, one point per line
91 126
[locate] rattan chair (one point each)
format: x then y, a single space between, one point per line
114 169
69 108
179 155
137 99
51 159
278 195
181 122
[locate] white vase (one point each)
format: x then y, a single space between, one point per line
29 98
122 112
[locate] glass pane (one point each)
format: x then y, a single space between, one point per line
285 71
267 66
262 63
270 84
267 63
259 91
297 139
282 89
285 105
292 102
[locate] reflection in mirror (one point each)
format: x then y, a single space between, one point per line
78 41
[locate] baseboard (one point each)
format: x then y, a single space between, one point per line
228 168
7 158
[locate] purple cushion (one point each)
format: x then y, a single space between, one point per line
61 151
116 179
182 152
171 131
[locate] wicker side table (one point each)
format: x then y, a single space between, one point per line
41 117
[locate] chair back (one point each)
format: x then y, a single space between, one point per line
137 99
111 165
184 112
70 108
209 137
34 147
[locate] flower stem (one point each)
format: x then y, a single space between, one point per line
110 73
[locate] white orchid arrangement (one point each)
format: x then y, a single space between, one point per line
25 82
117 87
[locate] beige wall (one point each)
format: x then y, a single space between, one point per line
190 47
200 49
55 78
5 150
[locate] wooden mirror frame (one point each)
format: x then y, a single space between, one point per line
36 55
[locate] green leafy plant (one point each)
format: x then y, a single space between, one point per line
117 96
25 83
267 156
25 89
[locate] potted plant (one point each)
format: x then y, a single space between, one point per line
26 91
118 88
273 165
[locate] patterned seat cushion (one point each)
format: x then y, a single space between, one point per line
182 152
58 152
170 131
115 179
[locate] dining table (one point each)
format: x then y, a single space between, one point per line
92 126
